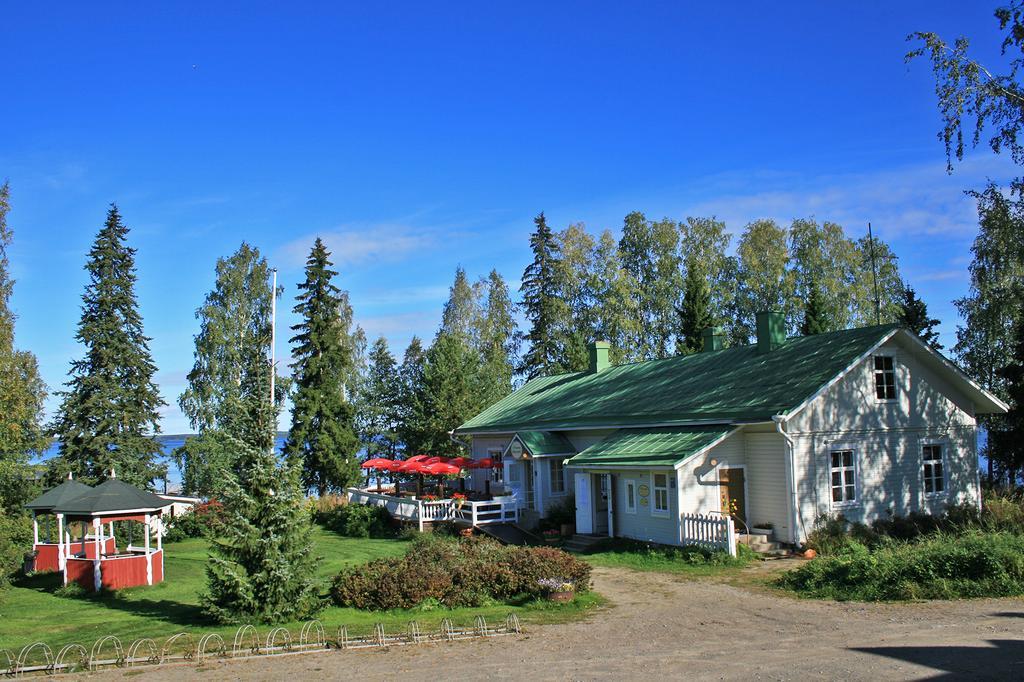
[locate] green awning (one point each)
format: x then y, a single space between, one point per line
539 443
657 447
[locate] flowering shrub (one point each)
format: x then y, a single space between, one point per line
205 520
457 572
551 534
358 521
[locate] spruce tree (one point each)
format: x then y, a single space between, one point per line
1009 438
814 321
914 316
413 430
22 391
109 413
695 313
379 408
322 437
263 568
234 325
449 396
542 305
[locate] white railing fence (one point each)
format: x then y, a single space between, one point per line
502 510
709 531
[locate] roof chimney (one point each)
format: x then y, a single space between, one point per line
771 331
599 356
714 339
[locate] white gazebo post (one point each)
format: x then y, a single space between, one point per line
97 570
149 557
60 542
35 528
111 536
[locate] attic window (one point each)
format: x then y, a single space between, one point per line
885 377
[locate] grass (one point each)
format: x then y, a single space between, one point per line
30 611
690 561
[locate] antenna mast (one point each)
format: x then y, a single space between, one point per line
874 276
273 341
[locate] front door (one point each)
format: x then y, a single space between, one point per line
601 494
732 489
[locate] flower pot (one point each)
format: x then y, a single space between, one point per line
552 541
561 597
810 554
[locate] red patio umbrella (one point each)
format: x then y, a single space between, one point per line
440 469
486 463
378 463
463 462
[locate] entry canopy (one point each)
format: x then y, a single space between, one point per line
111 497
657 447
59 495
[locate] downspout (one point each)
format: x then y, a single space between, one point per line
451 436
794 509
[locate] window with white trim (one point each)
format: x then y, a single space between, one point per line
885 377
557 475
934 474
630 496
843 471
659 501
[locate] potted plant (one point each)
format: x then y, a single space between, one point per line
460 499
557 589
551 536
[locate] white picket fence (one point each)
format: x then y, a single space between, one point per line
708 530
499 510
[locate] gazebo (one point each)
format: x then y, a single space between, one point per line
101 565
50 554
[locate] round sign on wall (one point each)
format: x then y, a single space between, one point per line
643 490
516 450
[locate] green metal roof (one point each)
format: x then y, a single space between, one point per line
66 491
665 446
112 496
730 385
545 443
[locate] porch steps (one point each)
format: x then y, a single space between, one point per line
580 544
764 545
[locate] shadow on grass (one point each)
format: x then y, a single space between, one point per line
40 582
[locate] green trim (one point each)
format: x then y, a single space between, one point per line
541 443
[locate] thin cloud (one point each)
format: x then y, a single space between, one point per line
355 245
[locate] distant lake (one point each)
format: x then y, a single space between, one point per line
168 443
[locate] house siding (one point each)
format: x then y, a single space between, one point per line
887 438
698 480
643 525
768 493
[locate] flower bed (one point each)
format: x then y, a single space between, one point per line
456 573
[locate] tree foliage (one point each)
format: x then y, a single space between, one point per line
322 439
695 313
22 391
914 316
814 312
380 407
109 412
542 305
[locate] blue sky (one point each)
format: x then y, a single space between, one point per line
420 136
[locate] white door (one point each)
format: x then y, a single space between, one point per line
514 479
584 520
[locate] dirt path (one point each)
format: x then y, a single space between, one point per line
661 626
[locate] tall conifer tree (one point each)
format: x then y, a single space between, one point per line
109 413
814 321
914 316
413 431
695 313
499 343
322 436
542 305
379 414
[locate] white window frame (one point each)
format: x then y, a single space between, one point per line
874 378
631 485
855 457
943 447
655 511
553 464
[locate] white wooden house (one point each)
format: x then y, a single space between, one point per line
865 422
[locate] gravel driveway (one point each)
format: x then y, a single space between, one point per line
668 627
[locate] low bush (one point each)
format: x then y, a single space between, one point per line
358 521
205 520
463 572
562 512
973 563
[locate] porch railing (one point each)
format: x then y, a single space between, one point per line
504 510
708 531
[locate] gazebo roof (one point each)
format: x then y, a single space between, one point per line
59 495
110 497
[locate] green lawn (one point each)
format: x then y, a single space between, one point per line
30 611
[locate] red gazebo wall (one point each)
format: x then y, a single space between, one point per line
46 553
117 573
